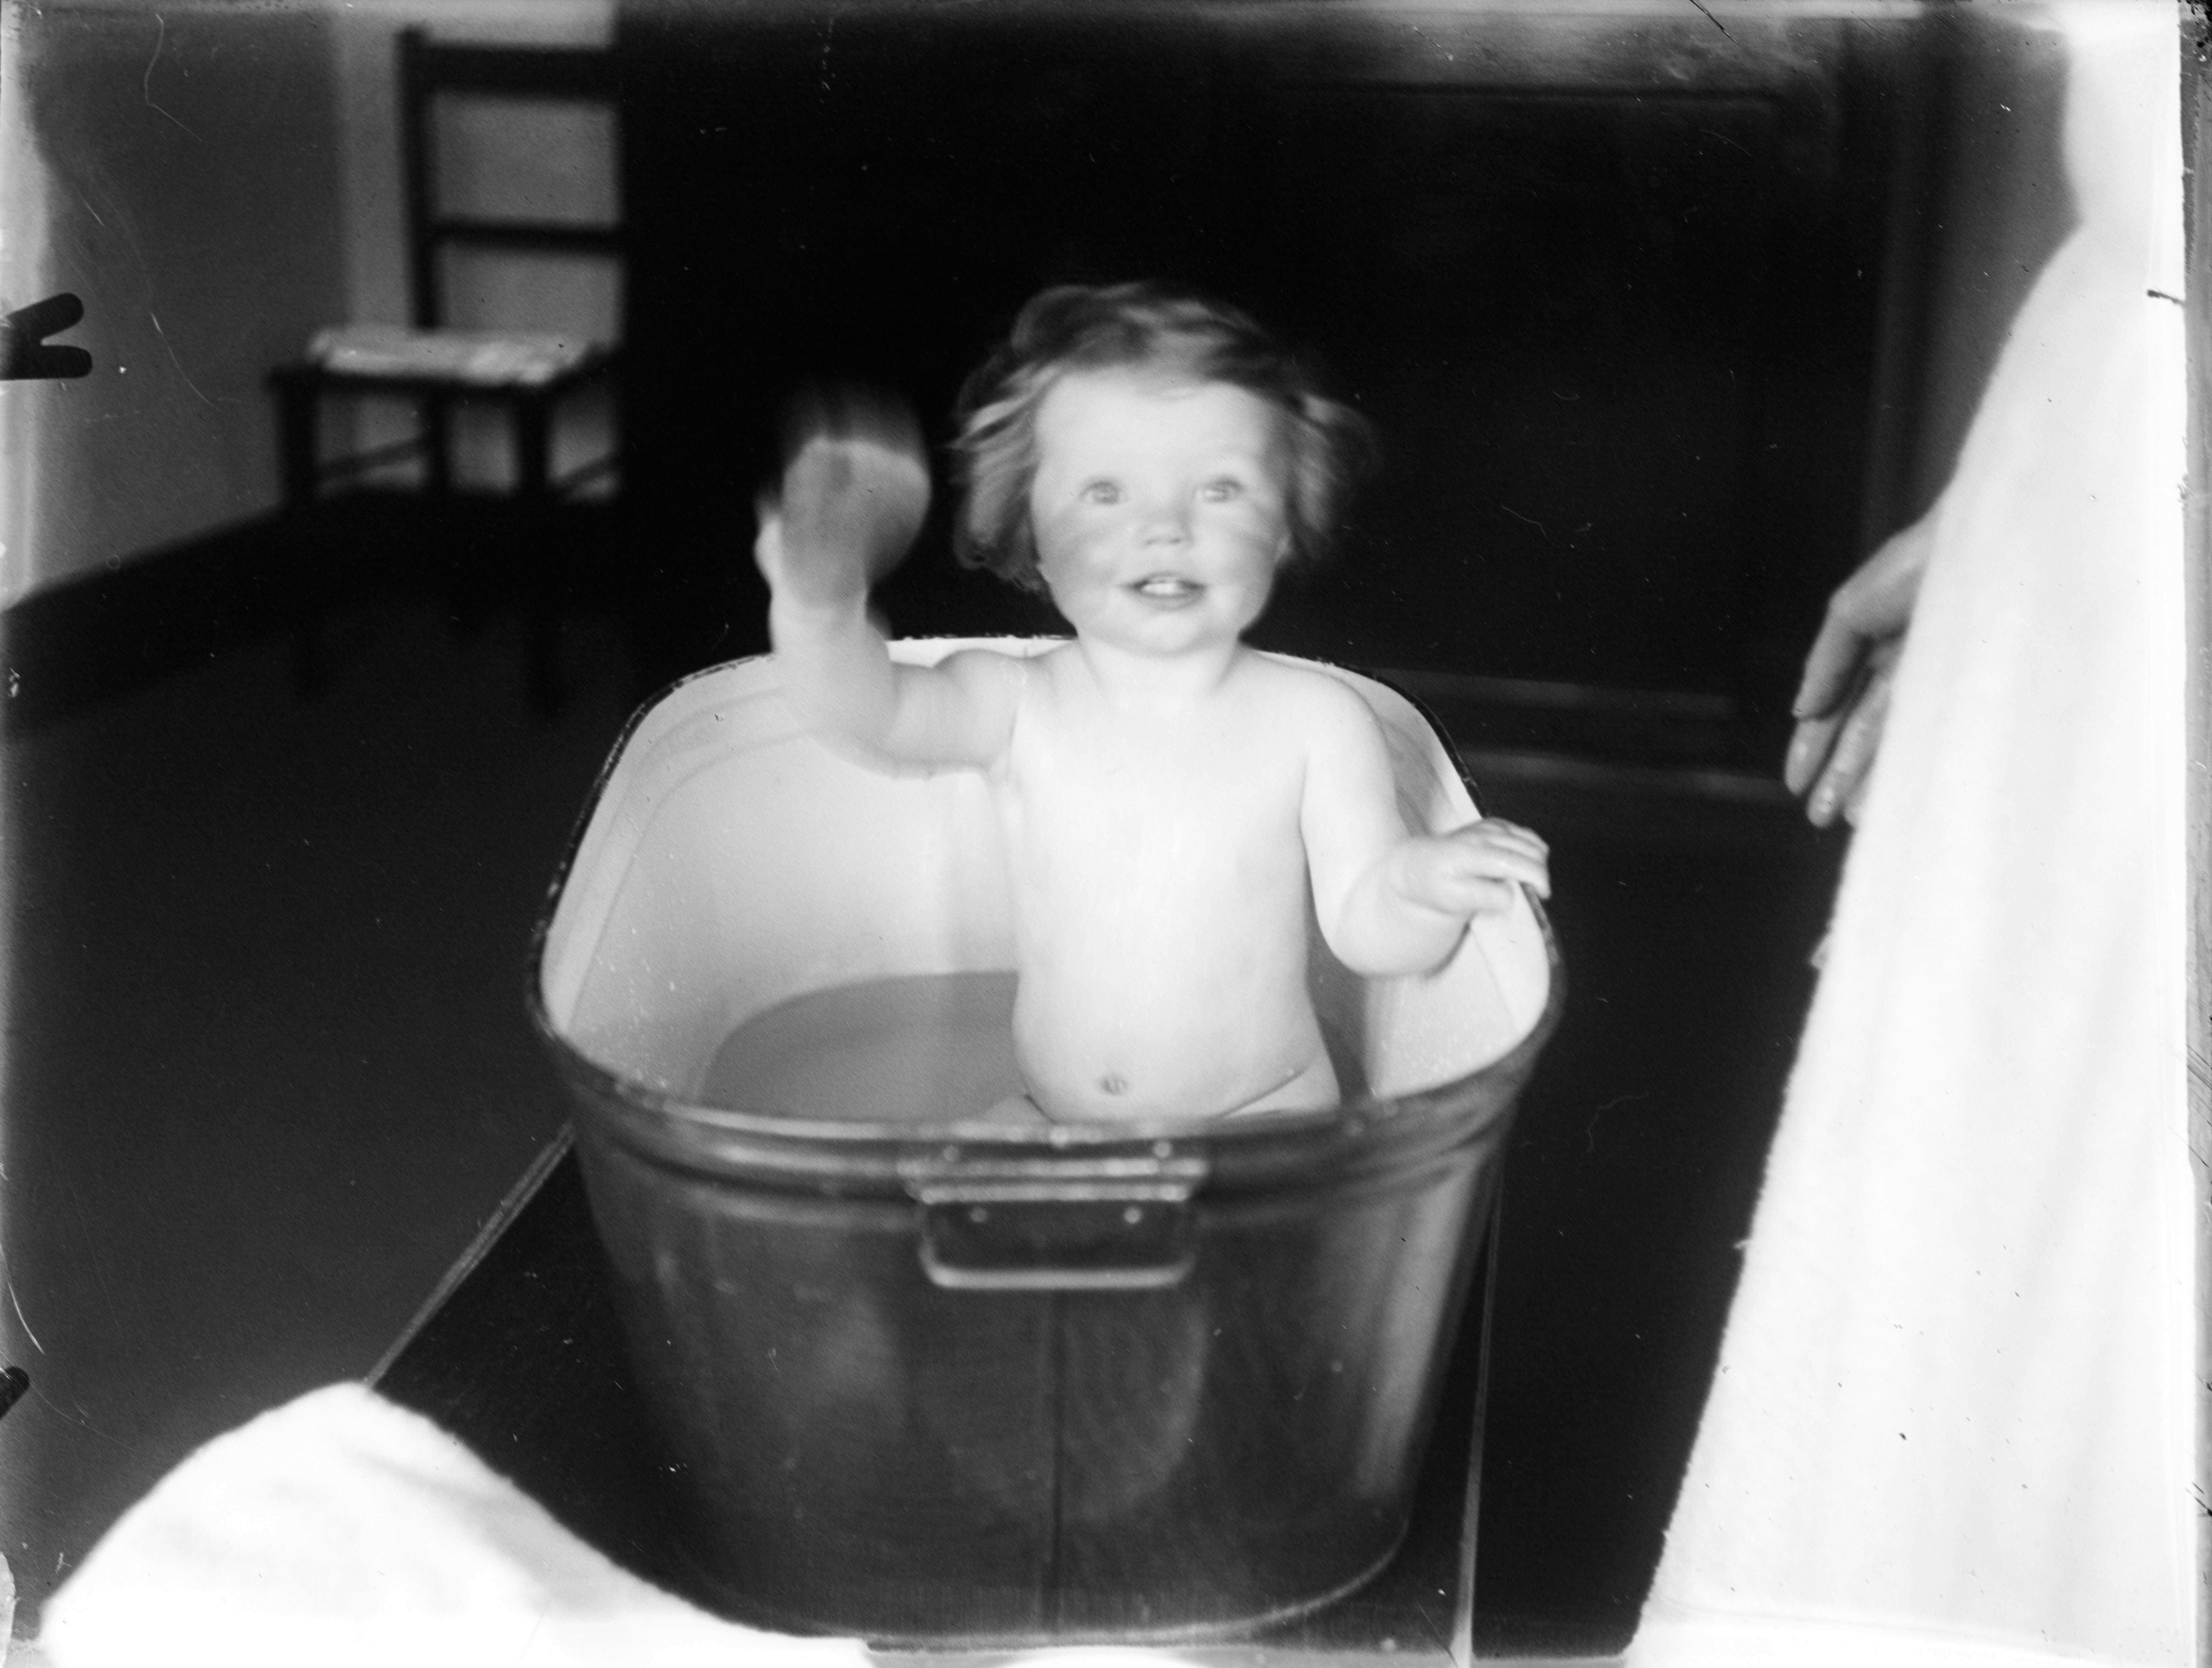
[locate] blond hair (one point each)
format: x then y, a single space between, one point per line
1327 446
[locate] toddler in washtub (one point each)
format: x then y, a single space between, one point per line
1151 460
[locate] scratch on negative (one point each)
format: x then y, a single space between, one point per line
1429 1621
829 38
174 360
1530 520
1589 1129
27 1332
1709 18
146 81
82 1421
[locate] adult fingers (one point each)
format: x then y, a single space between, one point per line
1810 744
1856 801
1832 665
1868 612
1853 757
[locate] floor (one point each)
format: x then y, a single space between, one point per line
268 1069
268 1066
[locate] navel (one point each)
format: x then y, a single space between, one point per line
1114 1084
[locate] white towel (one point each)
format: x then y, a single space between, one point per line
343 1530
1951 1419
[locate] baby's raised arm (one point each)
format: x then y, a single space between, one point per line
851 499
1389 901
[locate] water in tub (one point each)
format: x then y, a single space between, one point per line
933 1048
930 1048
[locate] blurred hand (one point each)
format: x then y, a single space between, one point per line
854 491
1844 698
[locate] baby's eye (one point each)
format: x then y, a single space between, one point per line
1102 492
1221 491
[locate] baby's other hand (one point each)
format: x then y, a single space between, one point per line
855 488
1473 870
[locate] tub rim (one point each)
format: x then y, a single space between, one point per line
712 1141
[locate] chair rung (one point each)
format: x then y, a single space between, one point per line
550 72
610 464
360 463
525 234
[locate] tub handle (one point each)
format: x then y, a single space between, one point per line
1109 1226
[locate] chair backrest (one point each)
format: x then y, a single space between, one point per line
430 71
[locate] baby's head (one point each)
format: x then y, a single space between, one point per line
1321 446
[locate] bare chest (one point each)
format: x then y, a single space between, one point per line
1200 804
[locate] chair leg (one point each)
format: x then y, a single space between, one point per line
299 466
310 609
548 585
542 650
311 674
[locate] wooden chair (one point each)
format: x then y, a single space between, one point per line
528 375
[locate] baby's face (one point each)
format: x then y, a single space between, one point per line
1158 508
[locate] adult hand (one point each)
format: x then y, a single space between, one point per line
1844 698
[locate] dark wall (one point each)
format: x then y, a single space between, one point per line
1608 288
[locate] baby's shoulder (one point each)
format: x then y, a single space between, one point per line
990 678
995 665
1299 691
1324 720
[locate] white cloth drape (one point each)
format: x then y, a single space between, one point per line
342 1530
1952 1419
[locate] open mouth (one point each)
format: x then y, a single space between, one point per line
1167 587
